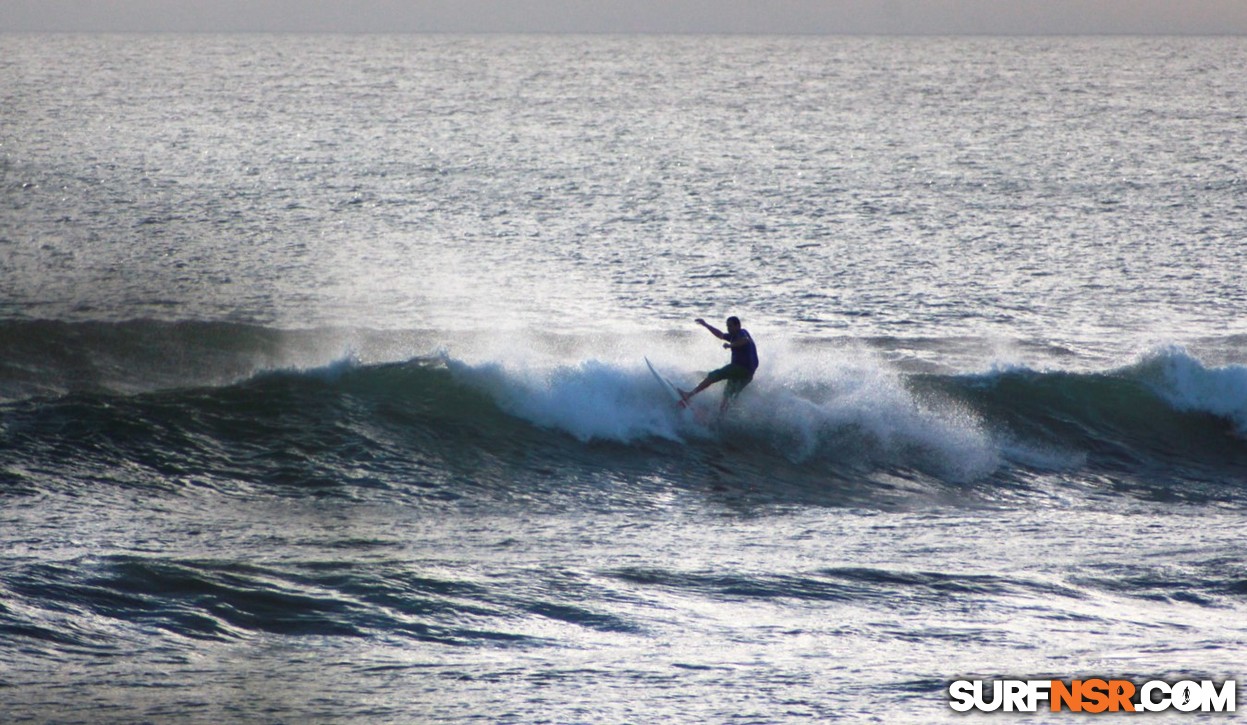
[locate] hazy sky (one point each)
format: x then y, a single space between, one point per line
627 16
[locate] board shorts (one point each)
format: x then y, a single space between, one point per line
737 377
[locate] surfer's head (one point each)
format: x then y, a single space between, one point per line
733 323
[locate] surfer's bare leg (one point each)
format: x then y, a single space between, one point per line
688 395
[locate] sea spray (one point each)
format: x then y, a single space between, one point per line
1188 385
864 415
589 400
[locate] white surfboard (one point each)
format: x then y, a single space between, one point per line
687 409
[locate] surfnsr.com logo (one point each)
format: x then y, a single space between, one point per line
1091 695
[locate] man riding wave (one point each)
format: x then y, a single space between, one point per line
739 372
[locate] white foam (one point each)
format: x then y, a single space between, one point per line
853 405
589 400
1188 385
804 405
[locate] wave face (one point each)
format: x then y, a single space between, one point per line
1166 421
108 405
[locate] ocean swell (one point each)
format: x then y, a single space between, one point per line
442 426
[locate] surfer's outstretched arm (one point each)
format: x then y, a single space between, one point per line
713 330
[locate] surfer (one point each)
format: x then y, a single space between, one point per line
739 372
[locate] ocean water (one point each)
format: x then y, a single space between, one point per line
323 394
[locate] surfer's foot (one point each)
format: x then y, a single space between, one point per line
685 396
